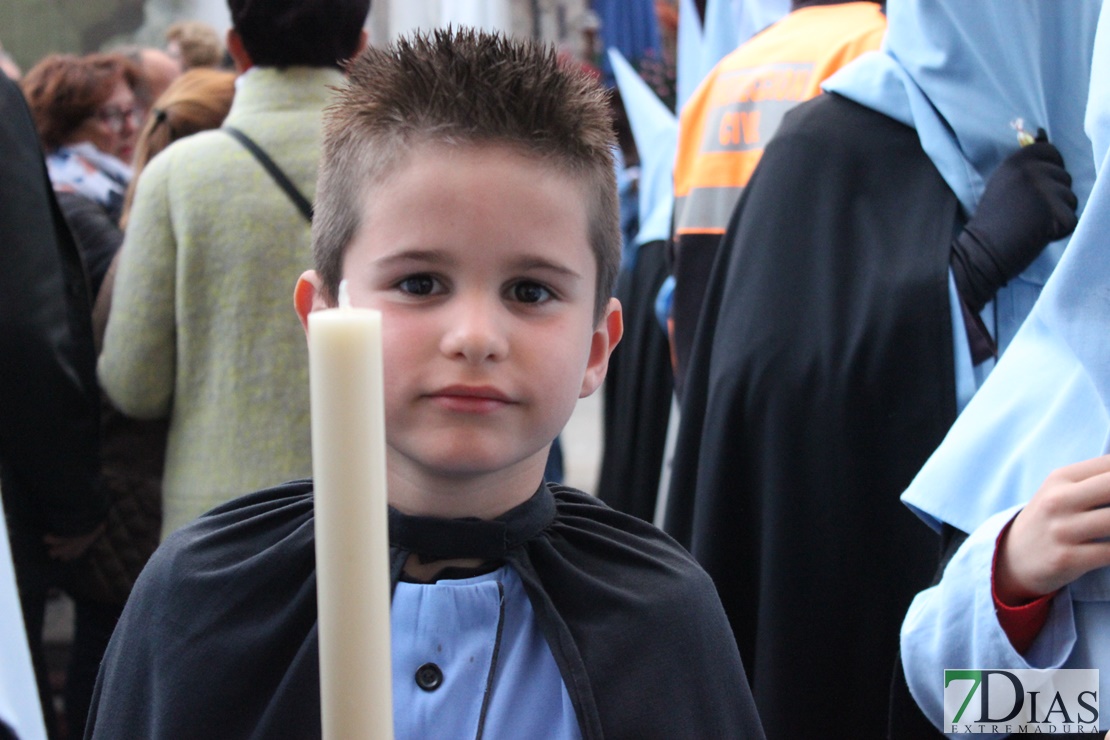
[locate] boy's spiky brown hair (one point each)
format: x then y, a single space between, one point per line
463 87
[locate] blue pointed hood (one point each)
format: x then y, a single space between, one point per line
959 73
688 52
729 23
655 129
1047 403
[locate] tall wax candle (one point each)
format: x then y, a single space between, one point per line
352 531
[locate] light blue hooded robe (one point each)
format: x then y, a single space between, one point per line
961 73
1043 407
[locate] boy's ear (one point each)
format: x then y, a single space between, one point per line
607 334
307 296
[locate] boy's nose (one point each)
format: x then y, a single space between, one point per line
475 331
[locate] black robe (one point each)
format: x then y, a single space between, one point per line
821 379
638 391
219 638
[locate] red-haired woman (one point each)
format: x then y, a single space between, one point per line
88 120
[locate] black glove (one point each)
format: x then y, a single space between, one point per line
1027 205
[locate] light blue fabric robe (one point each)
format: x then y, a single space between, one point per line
961 73
1043 407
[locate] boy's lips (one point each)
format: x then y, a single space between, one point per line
470 398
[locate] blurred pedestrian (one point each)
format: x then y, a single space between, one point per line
87 115
194 44
200 330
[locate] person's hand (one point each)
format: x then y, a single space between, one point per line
70 547
1061 533
1028 203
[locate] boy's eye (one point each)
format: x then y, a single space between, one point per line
418 285
529 292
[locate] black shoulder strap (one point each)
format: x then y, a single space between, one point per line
275 172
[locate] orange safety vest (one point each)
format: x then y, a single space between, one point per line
739 106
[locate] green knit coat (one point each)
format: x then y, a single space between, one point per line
202 328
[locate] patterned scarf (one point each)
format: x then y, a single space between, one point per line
84 169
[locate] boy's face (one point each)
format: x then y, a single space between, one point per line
477 257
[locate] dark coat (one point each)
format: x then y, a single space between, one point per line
132 451
638 391
49 402
822 377
98 237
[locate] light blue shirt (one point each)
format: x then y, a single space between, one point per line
463 638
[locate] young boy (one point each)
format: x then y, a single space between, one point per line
466 191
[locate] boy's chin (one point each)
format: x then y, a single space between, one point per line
469 468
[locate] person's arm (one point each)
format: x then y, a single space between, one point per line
954 624
49 404
138 360
1028 203
1021 620
1017 557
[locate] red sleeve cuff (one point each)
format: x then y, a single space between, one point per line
1022 622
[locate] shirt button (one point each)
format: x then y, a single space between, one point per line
429 677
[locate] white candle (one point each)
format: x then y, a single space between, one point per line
352 530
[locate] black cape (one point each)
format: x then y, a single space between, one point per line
821 380
637 392
219 637
49 397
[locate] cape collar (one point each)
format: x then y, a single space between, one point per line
441 539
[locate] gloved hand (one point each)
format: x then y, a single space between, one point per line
1028 203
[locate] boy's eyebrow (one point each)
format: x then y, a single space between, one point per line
433 256
436 257
540 263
